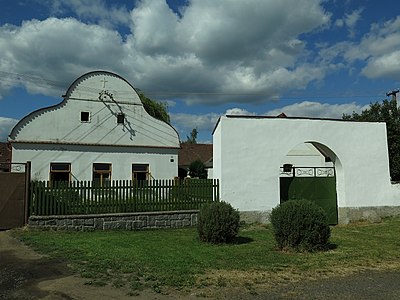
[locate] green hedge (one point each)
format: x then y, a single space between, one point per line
218 222
300 225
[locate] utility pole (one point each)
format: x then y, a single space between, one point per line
393 94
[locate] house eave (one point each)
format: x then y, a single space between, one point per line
90 144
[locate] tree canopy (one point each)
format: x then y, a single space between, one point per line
192 139
197 169
155 109
385 111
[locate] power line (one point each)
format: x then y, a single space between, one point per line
40 81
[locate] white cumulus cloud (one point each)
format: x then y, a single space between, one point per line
379 48
6 124
317 110
223 48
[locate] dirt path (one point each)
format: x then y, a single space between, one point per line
25 274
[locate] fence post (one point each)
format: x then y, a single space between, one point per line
27 197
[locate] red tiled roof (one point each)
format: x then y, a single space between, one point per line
191 152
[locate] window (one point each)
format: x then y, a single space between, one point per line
140 172
287 168
121 118
101 174
60 172
85 116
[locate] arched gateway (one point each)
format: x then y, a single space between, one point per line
249 153
308 172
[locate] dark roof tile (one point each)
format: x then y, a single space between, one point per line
192 152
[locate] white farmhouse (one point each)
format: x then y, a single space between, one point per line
99 132
249 155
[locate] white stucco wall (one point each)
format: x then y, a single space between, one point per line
57 134
305 154
161 161
248 153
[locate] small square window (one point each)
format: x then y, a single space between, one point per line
120 118
140 172
60 172
85 116
101 174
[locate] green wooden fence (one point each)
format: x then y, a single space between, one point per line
120 196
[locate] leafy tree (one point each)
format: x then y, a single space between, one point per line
192 139
155 109
198 169
388 112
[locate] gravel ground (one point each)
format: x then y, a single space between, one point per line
25 274
366 285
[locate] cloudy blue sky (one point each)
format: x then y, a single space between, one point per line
204 58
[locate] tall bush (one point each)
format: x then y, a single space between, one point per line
300 225
197 169
218 222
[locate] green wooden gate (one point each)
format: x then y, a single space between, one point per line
311 183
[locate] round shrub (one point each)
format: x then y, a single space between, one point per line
300 225
218 222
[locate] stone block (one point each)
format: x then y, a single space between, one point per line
74 228
193 219
61 222
142 218
184 216
77 222
87 228
89 222
50 222
372 216
129 225
107 226
151 222
160 224
137 224
118 225
98 223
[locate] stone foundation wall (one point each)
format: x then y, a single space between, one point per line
179 219
346 215
123 221
372 214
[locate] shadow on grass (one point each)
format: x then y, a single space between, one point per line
239 240
331 246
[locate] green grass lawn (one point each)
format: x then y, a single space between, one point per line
161 259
